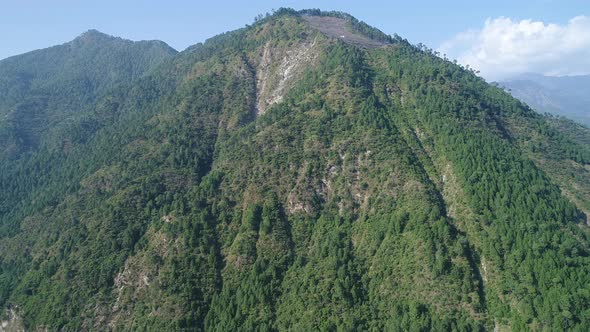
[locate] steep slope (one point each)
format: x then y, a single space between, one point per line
563 96
280 177
48 100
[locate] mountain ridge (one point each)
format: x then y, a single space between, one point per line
561 96
54 84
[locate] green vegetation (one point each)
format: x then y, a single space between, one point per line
385 189
44 91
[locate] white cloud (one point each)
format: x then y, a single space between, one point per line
503 47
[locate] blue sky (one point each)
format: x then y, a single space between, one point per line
34 24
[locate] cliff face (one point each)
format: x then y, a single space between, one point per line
306 172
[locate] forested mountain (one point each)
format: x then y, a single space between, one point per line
306 172
563 96
45 90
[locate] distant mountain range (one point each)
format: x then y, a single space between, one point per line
564 96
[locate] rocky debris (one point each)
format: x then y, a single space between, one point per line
277 70
13 322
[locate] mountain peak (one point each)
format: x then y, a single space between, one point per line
93 34
92 37
339 28
339 25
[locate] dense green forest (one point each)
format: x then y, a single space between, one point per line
44 91
280 177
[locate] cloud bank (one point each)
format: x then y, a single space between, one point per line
504 48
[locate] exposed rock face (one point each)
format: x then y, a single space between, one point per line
13 322
278 70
